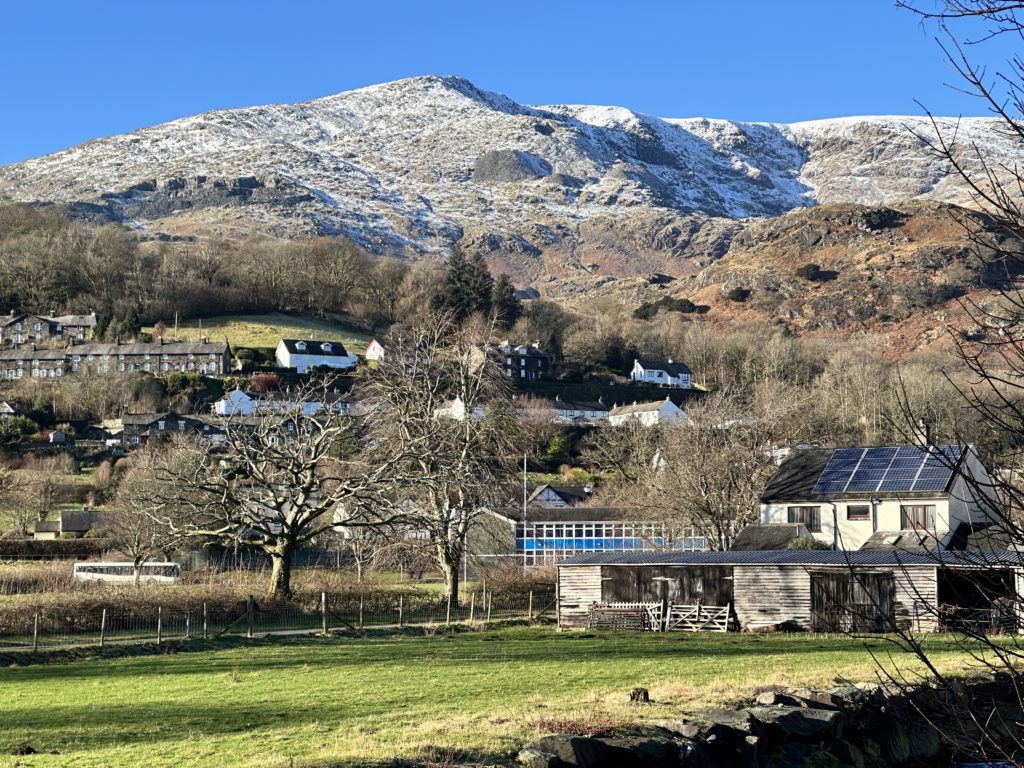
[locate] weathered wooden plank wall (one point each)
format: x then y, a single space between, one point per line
579 587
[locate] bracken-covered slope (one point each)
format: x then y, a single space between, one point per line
558 195
900 277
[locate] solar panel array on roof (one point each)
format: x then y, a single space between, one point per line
872 470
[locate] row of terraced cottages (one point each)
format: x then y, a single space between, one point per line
816 590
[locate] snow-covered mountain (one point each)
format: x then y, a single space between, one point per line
416 165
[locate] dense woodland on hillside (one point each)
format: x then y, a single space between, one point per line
52 262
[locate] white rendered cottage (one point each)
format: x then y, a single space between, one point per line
374 351
668 373
302 355
648 414
907 497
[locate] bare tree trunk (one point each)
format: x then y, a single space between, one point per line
281 571
449 562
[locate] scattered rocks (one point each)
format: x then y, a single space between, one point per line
848 726
508 166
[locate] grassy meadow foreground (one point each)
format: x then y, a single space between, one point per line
344 701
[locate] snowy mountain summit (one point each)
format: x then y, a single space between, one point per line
414 166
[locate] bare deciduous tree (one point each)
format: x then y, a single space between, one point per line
444 417
278 483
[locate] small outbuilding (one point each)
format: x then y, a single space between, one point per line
815 590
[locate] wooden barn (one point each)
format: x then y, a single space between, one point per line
817 590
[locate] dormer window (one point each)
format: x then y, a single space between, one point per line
301 346
326 348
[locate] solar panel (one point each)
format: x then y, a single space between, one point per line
837 472
938 468
872 470
873 464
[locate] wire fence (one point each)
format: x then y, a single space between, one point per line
107 626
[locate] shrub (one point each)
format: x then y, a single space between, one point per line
649 309
810 272
738 294
808 542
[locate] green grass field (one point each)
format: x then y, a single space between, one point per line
356 702
267 330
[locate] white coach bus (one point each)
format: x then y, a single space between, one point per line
124 573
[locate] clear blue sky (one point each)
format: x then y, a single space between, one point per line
78 70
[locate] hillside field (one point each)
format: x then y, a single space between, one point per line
267 330
346 701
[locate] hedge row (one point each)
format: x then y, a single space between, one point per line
68 548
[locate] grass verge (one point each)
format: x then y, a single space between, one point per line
343 701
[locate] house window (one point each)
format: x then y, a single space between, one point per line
810 517
858 512
917 516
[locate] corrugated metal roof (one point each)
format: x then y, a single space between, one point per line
800 557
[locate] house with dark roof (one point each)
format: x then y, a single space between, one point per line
526 362
160 357
552 496
303 354
895 497
141 428
67 522
669 373
580 411
25 328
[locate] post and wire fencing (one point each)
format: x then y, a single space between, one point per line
51 628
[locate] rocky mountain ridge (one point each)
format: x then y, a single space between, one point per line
560 196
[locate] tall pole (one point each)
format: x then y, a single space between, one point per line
524 511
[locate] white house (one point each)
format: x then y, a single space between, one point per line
888 497
303 355
374 351
7 410
669 373
239 403
648 414
456 409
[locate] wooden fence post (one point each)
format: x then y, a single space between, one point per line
159 624
401 602
205 635
529 610
472 605
360 611
35 633
323 612
103 627
249 603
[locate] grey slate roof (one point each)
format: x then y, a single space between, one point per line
901 541
626 410
674 368
578 405
315 347
796 477
113 350
863 558
576 514
755 538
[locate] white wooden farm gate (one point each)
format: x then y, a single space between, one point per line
660 617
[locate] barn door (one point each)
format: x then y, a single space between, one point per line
842 601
